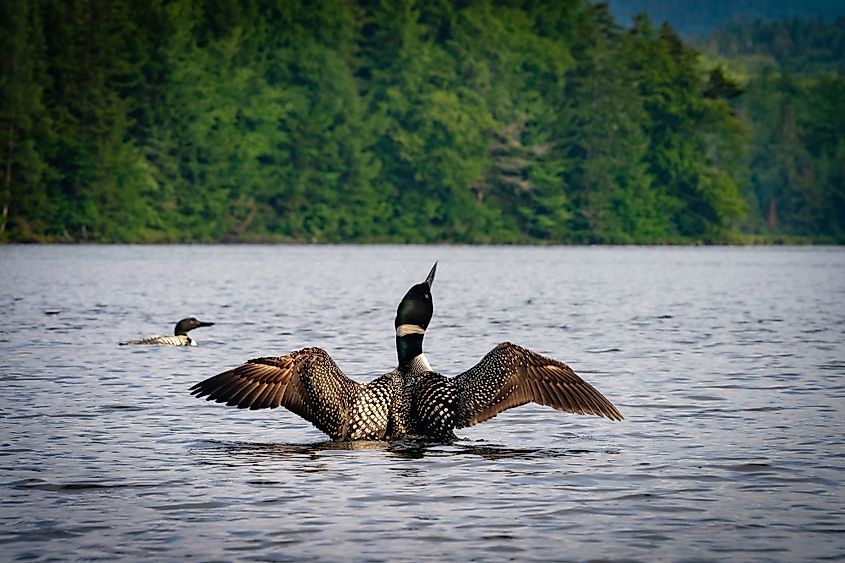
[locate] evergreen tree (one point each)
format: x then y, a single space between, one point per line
97 192
519 72
607 142
693 167
24 128
430 131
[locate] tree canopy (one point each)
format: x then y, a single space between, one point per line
393 121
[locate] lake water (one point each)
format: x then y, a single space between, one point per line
728 363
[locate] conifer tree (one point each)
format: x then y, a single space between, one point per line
24 203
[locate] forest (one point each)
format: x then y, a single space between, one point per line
497 121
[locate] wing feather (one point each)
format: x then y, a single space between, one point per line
306 382
274 400
238 399
510 376
251 399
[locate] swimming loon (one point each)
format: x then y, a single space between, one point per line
411 400
180 334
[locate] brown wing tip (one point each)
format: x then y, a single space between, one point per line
210 387
258 384
614 414
603 407
200 392
599 405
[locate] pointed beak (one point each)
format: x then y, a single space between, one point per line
203 323
430 279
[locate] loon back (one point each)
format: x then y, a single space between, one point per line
176 340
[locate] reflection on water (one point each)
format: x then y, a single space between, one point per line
727 362
212 451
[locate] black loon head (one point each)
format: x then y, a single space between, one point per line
412 318
183 326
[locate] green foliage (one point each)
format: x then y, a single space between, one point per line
607 141
24 128
794 106
796 154
490 121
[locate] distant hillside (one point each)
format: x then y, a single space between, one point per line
697 18
795 46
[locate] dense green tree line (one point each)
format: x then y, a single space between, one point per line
367 120
796 159
794 104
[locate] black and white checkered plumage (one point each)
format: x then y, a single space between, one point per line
412 399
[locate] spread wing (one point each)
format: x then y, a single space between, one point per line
306 382
510 376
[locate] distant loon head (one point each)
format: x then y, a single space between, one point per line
412 318
183 326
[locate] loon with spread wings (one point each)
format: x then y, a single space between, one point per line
411 400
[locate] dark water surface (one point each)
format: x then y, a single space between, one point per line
728 363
